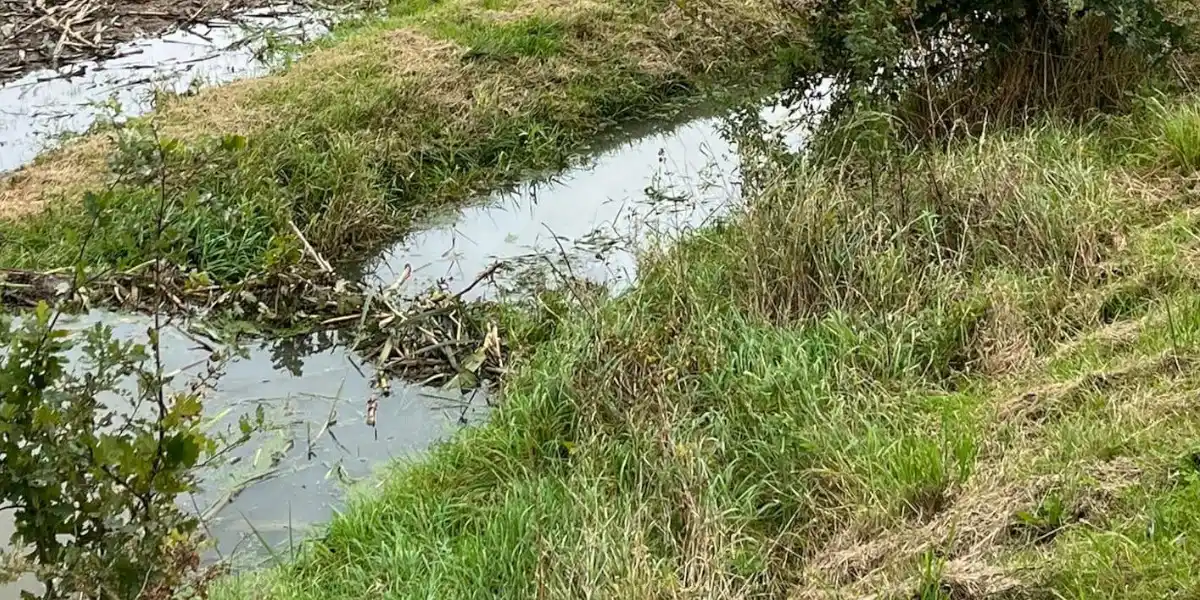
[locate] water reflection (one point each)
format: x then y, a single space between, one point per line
313 391
39 108
589 222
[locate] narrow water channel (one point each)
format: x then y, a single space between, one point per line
293 475
588 222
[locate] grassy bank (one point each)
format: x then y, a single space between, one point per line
968 374
390 118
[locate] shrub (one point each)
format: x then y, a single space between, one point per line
946 63
92 480
97 441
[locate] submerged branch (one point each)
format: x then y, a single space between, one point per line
435 335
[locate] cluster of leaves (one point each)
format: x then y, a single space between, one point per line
876 49
97 441
91 465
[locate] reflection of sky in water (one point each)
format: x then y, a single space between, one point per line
41 106
301 385
589 222
651 189
597 214
37 108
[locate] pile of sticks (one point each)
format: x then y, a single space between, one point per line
437 339
48 34
432 338
283 299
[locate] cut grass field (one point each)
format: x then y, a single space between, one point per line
971 374
388 119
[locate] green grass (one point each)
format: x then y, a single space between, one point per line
533 36
972 375
388 119
1181 135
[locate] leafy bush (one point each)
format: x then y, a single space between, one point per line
97 441
91 468
943 62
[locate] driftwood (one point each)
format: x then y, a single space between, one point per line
50 34
433 338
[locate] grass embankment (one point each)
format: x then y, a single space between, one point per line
390 118
971 375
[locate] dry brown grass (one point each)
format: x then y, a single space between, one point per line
63 173
235 108
974 533
414 53
1004 343
563 11
969 531
80 164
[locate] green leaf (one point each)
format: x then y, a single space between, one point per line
182 449
188 407
42 313
170 145
233 142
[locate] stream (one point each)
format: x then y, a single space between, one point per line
589 221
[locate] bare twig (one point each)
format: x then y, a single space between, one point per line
485 274
312 252
41 35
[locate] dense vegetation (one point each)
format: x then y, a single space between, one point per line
967 378
98 442
946 351
924 362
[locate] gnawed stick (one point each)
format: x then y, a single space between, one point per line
312 252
